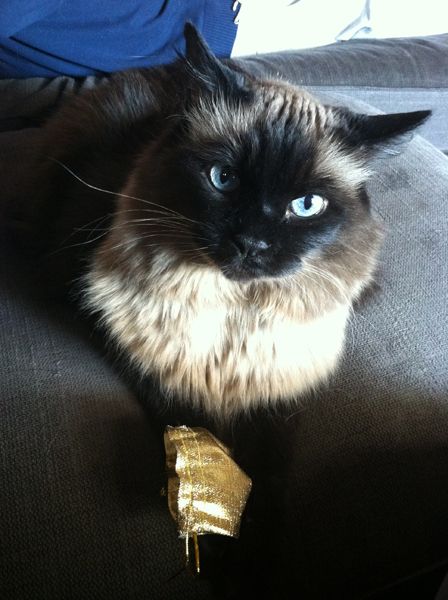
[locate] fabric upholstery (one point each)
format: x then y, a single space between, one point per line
394 75
386 63
82 467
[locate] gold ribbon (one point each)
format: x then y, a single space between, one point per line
207 490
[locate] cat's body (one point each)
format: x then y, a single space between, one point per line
175 203
214 287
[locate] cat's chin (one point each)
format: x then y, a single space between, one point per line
244 274
242 277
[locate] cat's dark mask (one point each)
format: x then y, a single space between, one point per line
266 173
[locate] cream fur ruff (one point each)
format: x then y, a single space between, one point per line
212 342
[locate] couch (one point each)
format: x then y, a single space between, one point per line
366 510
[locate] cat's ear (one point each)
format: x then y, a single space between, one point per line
381 131
208 70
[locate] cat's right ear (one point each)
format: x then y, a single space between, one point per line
209 72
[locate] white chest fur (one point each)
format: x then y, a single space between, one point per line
210 346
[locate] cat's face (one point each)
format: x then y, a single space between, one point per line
265 174
266 180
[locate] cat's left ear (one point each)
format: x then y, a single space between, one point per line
380 131
208 70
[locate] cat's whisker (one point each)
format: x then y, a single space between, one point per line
157 219
328 277
99 221
354 316
75 230
110 216
332 280
164 227
77 244
161 226
130 242
356 251
120 194
305 292
194 252
105 232
352 321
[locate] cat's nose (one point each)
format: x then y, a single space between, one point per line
249 246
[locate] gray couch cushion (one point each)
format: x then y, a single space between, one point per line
393 75
386 63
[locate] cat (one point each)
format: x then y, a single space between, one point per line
220 225
217 226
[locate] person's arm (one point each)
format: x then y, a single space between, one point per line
15 15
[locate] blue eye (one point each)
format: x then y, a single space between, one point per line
307 206
224 178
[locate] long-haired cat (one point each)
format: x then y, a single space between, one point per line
219 224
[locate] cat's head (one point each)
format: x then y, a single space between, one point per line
265 175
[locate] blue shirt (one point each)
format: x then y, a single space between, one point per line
46 38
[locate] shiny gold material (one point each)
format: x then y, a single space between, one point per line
207 491
196 553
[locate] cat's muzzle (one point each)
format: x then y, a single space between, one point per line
244 258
